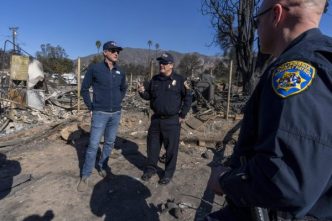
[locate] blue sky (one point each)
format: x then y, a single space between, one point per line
75 25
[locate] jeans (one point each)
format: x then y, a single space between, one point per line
101 123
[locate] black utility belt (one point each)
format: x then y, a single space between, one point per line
165 116
285 216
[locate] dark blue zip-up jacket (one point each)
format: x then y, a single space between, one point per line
109 87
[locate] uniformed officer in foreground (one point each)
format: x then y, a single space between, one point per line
283 158
170 101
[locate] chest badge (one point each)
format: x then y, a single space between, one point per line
292 78
173 83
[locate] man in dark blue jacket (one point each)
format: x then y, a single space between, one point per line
109 88
170 101
282 160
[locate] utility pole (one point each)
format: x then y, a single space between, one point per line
14 33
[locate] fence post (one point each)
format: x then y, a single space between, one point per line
78 83
229 89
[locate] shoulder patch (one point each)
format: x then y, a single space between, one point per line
292 78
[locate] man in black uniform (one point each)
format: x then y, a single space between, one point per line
170 101
282 160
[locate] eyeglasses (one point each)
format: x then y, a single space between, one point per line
113 51
164 63
256 20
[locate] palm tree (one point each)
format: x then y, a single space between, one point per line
98 44
149 44
157 46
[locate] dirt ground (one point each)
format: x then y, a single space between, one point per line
45 172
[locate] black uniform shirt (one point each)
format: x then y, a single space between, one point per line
167 95
286 135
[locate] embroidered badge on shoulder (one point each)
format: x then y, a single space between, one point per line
292 77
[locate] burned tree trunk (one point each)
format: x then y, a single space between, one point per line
233 22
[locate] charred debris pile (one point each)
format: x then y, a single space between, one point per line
30 98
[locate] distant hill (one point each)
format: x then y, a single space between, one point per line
141 56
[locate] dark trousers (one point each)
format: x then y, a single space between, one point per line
163 130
